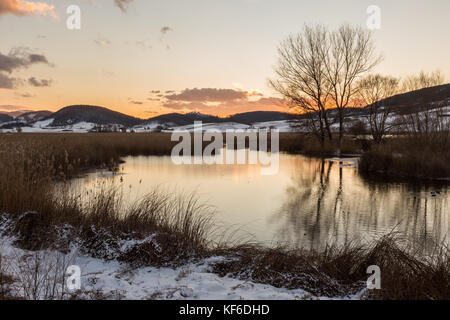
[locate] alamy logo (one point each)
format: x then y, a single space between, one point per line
232 153
73 22
374 280
374 19
73 281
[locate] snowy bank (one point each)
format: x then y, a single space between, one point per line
113 280
101 279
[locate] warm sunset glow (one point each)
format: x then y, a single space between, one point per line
148 58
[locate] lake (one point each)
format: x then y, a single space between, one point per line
310 201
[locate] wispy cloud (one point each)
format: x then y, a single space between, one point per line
16 59
143 44
20 58
6 82
22 8
166 29
102 42
123 4
39 83
208 95
221 101
25 95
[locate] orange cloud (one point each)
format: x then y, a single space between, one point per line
21 8
222 102
207 95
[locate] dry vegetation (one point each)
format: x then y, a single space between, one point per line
46 217
338 271
420 149
308 144
32 164
408 158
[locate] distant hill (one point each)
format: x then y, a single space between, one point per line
71 115
179 119
428 97
405 103
16 113
92 114
402 104
5 118
34 116
259 116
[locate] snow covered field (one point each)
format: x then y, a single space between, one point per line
44 126
113 280
83 127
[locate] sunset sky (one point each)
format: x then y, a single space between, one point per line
147 57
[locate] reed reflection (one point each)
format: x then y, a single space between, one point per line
327 202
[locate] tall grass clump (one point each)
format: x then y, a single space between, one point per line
421 147
101 218
407 157
34 192
342 270
31 163
308 144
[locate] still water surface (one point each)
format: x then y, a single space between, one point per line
309 203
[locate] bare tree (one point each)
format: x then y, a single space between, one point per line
430 127
428 123
317 70
422 80
352 53
302 76
373 91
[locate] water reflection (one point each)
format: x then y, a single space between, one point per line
326 203
308 203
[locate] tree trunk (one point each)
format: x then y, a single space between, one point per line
327 126
341 130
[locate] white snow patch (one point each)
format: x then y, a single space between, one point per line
148 127
117 280
222 127
282 125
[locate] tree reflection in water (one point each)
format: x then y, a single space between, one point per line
327 202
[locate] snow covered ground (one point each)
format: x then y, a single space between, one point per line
113 280
83 127
282 125
44 127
